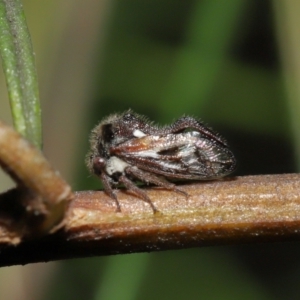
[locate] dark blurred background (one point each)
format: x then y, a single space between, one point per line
233 64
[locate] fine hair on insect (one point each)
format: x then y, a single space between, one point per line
127 147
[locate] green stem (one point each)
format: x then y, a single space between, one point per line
19 69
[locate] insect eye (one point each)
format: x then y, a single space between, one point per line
107 133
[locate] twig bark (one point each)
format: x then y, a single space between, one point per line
237 210
39 202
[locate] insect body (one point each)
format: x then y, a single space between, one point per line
127 147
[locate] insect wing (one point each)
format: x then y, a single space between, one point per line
187 155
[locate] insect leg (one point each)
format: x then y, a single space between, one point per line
149 178
132 187
108 189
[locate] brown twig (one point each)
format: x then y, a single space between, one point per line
238 210
39 202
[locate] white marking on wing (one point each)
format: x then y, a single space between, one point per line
147 153
138 133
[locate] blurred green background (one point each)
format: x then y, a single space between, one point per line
232 63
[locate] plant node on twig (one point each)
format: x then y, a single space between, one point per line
37 205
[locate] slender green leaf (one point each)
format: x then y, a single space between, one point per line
19 69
